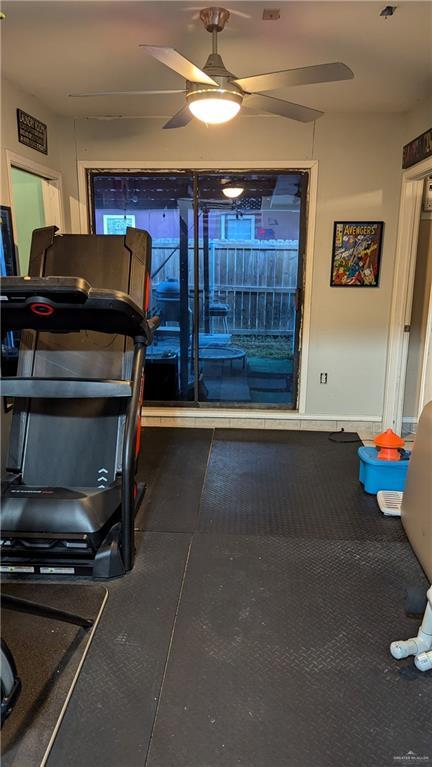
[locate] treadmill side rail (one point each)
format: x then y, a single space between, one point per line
64 388
133 422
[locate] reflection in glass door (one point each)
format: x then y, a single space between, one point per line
226 279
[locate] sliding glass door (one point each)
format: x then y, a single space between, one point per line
226 279
161 204
249 237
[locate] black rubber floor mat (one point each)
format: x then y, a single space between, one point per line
110 716
48 655
172 464
280 658
293 483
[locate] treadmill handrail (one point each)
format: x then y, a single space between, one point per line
54 284
64 388
70 304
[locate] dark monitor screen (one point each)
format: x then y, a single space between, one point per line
8 268
8 260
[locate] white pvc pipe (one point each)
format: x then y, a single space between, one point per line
419 645
423 661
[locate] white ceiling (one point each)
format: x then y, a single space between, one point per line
54 48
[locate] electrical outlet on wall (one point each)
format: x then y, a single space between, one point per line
323 378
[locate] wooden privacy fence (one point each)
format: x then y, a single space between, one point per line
256 280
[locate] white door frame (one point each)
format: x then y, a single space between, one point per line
310 165
14 160
403 287
425 394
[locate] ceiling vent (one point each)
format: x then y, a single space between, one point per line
271 14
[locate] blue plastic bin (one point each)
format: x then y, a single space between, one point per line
381 475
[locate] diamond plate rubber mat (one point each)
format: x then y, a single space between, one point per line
47 655
280 658
172 463
292 483
111 712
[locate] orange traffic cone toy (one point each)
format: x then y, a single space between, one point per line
388 444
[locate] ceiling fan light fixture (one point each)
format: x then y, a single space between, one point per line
233 191
214 106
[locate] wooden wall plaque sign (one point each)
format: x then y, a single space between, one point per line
417 149
32 132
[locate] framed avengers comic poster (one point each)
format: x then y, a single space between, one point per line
356 254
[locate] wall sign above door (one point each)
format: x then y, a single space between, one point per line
417 149
32 132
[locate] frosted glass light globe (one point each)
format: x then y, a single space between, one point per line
214 110
233 191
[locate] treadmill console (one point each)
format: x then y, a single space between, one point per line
69 304
69 290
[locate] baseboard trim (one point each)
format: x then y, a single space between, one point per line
216 413
366 426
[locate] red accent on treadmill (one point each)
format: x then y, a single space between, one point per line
147 293
138 436
42 310
138 425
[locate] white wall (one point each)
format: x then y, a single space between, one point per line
61 151
418 120
359 178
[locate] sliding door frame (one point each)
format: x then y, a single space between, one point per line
311 166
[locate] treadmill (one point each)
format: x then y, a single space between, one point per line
70 496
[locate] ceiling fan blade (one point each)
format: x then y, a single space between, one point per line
321 73
282 108
123 93
180 119
174 60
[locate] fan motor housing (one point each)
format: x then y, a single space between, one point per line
214 67
223 81
202 91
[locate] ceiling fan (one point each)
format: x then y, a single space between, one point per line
215 95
